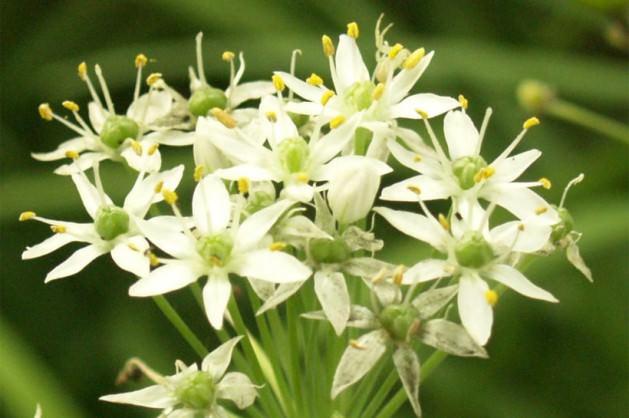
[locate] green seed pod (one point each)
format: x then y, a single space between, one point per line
117 129
563 227
215 249
293 154
329 250
472 250
197 392
206 98
111 221
400 321
465 170
360 95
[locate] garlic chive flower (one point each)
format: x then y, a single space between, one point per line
192 392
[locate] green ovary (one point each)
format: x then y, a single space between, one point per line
110 222
117 129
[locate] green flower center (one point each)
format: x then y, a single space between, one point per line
206 98
117 129
563 227
465 170
293 154
472 250
360 95
111 221
215 249
400 321
325 250
198 391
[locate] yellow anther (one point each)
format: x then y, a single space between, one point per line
355 344
70 105
413 59
45 111
153 78
277 246
58 229
278 82
243 185
484 174
82 70
463 101
271 116
337 121
223 117
159 186
489 171
314 80
28 215
153 149
140 60
352 30
398 274
491 297
199 172
302 177
153 260
73 155
170 196
137 147
228 56
414 189
541 210
328 45
379 276
546 184
443 221
521 227
326 96
417 158
133 247
378 91
395 50
216 262
530 122
422 114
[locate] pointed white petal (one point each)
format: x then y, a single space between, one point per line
132 260
430 189
427 270
404 81
84 162
75 144
512 278
416 226
332 143
167 278
283 127
216 294
332 293
301 88
147 161
172 138
252 172
421 158
211 207
407 365
461 135
143 194
271 266
297 192
75 263
532 238
207 155
249 91
451 338
431 301
350 67
255 227
574 257
89 194
217 361
97 116
510 168
306 108
47 246
150 107
164 231
476 314
520 201
155 396
238 388
430 103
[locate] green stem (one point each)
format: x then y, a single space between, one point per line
588 119
185 331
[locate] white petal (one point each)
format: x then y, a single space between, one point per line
172 138
89 194
148 162
238 388
350 67
416 226
574 257
340 164
75 263
230 142
422 159
331 144
432 104
532 238
97 116
249 91
83 163
461 135
520 201
332 293
510 168
430 189
512 278
218 360
298 192
476 314
150 107
404 81
305 108
272 266
216 294
156 396
164 231
172 276
283 126
143 194
47 246
255 227
75 144
207 155
211 207
407 365
301 88
249 171
133 261
427 270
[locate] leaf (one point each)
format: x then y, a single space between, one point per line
451 338
407 365
358 358
432 301
333 295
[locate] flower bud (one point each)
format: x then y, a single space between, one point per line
293 154
111 221
215 249
117 129
325 250
360 95
472 250
534 95
563 227
353 189
400 321
197 392
466 168
206 98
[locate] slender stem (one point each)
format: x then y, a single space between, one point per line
382 392
588 119
171 314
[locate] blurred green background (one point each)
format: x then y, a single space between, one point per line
63 343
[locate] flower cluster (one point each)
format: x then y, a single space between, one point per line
287 176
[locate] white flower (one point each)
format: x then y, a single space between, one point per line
474 253
220 246
194 393
465 176
113 230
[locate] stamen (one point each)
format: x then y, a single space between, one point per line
199 172
530 122
98 181
159 186
277 246
302 177
541 210
200 70
546 184
153 78
491 297
483 129
103 87
395 50
153 149
355 344
314 80
153 260
413 59
463 102
484 174
170 196
398 274
133 247
443 221
45 111
378 91
228 56
70 105
379 276
578 179
26 216
433 137
73 155
223 117
140 63
271 116
58 229
278 83
337 121
328 46
352 30
137 147
293 65
243 185
326 96
140 60
417 158
82 70
514 143
414 189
